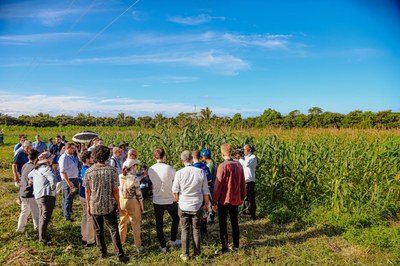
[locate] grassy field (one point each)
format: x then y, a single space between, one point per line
320 232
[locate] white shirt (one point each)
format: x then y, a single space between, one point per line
191 184
249 164
162 176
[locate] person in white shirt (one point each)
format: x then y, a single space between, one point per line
191 191
162 177
249 163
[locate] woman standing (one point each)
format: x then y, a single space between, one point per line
131 202
44 185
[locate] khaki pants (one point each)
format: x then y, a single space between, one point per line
130 210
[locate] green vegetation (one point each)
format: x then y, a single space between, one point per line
326 197
316 118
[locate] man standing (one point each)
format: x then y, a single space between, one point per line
229 193
212 165
20 159
199 164
162 177
39 145
115 160
69 171
249 163
102 201
190 190
28 203
56 150
17 146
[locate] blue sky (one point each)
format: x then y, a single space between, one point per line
146 57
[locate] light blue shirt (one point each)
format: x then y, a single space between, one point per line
39 146
69 165
191 184
44 181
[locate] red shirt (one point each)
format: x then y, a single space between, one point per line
230 185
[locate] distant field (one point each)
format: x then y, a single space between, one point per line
326 197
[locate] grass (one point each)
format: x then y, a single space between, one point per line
262 242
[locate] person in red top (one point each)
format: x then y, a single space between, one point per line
229 193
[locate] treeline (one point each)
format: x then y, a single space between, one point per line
316 118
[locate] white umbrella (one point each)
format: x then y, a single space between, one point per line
84 136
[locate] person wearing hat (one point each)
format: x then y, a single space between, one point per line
44 190
190 189
20 159
131 202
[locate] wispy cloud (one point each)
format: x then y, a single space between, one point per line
265 40
194 20
16 105
43 14
40 38
218 61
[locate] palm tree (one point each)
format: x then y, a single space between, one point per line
206 113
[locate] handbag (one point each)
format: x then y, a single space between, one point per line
28 192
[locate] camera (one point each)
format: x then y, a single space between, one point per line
238 152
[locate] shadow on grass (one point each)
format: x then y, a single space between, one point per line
263 233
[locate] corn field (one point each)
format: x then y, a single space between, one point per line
345 171
339 172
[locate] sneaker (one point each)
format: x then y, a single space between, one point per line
103 255
140 250
163 250
175 243
234 249
184 257
123 259
220 251
89 245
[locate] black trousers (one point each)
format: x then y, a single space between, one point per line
223 211
251 198
159 210
111 220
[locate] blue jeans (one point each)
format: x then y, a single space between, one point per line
68 198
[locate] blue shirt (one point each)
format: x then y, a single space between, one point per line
205 168
69 165
81 177
39 146
44 181
17 146
20 159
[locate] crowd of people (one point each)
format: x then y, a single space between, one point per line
112 184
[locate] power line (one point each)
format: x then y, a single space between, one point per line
106 27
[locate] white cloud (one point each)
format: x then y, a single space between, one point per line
16 105
33 11
263 40
40 38
194 20
217 61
